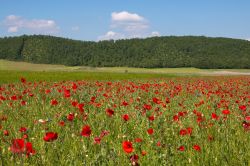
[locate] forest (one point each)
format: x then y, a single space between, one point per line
155 52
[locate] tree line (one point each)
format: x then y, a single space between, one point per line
154 52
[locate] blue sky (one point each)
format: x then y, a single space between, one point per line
105 19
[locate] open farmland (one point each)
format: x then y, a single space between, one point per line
170 121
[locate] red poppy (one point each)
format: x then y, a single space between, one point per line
86 131
176 118
50 136
147 107
97 140
62 123
124 103
70 117
29 149
151 118
247 118
143 153
125 117
226 112
23 129
104 133
110 112
183 132
18 146
181 148
214 116
156 100
246 125
197 147
150 131
138 140
53 102
243 107
127 146
189 130
23 80
6 132
167 100
134 159
66 93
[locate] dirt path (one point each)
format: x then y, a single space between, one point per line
227 73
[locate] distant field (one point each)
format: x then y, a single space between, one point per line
11 72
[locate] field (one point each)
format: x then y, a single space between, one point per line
65 116
12 71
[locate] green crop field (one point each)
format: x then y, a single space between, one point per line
12 71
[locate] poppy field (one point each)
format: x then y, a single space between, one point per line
167 121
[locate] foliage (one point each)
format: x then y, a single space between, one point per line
172 121
155 52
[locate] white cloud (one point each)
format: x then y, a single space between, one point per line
75 28
111 35
16 23
128 21
155 33
12 29
126 16
248 39
128 25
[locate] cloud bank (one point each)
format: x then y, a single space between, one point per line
128 25
17 23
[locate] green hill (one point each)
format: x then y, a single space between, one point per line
155 52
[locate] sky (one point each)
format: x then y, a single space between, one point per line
95 20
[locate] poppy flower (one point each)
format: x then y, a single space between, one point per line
66 93
151 118
134 159
97 140
110 112
86 131
214 116
50 136
150 131
226 112
127 146
18 146
247 118
147 107
176 118
23 129
197 147
54 102
246 125
183 132
29 149
125 117
243 107
143 153
181 148
70 117
104 133
138 140
6 132
23 80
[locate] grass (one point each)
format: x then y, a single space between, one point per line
149 105
14 76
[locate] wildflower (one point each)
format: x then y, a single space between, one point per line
86 131
50 136
127 146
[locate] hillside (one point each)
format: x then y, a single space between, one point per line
156 52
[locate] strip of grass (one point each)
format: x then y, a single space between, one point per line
14 76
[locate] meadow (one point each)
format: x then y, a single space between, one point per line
123 118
